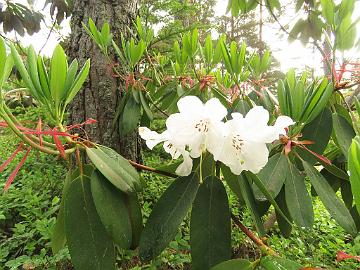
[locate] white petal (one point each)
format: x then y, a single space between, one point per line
152 138
255 156
172 149
237 116
282 122
257 116
185 167
190 105
216 138
215 110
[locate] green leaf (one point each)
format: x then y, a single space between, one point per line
58 73
105 35
332 203
93 31
277 263
236 264
70 78
317 101
344 133
318 131
346 194
284 226
23 72
297 198
43 77
134 209
2 57
110 205
282 93
210 227
248 196
269 197
354 168
58 238
167 215
145 106
9 63
273 176
130 117
33 71
115 168
79 81
89 245
232 181
208 49
346 8
328 12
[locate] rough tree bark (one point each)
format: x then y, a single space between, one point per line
102 92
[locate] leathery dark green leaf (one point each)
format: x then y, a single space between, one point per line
89 244
210 226
333 204
273 176
115 168
298 199
110 205
167 216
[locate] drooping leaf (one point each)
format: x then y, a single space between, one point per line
136 219
248 196
89 244
210 228
344 133
110 205
332 203
58 238
297 198
273 176
252 177
115 168
232 182
284 226
319 132
130 117
167 215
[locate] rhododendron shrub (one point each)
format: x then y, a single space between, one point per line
266 144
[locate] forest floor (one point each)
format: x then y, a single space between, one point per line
28 213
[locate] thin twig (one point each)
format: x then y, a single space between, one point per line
149 169
253 237
48 36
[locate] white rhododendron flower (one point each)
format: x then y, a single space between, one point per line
197 125
239 143
243 146
153 138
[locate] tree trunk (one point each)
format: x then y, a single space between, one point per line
102 92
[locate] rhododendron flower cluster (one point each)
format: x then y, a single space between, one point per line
239 143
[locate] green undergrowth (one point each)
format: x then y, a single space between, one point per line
29 208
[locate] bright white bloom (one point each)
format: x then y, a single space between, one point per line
239 143
243 145
197 125
153 138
